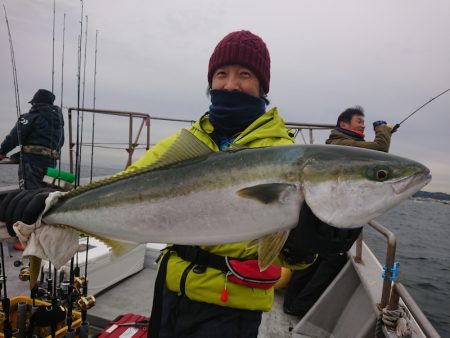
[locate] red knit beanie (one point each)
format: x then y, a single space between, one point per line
242 48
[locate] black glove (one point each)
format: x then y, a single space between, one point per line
22 205
312 236
378 123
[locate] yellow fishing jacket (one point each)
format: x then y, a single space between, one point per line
207 286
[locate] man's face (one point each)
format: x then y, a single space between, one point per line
356 123
235 77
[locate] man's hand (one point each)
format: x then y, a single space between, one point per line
22 205
378 123
394 128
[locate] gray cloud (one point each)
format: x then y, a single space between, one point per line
390 57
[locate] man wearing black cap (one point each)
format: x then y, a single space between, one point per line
40 134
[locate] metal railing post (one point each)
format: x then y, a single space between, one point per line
390 259
358 253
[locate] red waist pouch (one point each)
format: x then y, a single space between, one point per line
248 273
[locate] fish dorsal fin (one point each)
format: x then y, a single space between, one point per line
269 248
268 193
185 147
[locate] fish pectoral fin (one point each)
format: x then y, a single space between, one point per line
268 193
35 269
269 248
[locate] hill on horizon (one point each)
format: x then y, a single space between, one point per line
434 195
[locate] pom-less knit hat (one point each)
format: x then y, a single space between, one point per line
242 48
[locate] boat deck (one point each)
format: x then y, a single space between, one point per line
14 286
135 295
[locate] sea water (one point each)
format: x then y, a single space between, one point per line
422 230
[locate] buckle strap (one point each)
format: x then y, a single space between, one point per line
154 323
40 150
200 257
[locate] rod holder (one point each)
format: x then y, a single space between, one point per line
22 308
84 330
71 333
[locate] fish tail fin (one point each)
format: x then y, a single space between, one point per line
269 248
35 269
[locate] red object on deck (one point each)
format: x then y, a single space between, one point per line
18 246
136 326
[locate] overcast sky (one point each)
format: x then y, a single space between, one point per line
388 56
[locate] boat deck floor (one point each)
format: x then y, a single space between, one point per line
135 295
14 286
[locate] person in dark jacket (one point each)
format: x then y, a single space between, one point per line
40 133
306 286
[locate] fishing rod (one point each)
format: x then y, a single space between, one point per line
62 84
70 289
415 111
17 98
84 323
85 284
84 65
53 47
7 328
69 319
82 101
13 62
62 60
95 98
78 147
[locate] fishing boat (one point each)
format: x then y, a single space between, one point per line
354 305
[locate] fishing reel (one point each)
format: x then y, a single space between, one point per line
86 302
2 320
24 274
78 282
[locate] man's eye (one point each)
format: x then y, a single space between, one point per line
246 74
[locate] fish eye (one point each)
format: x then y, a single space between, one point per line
378 173
381 174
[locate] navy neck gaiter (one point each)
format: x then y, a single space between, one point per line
231 112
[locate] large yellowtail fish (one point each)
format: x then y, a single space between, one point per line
193 195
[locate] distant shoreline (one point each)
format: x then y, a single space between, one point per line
440 196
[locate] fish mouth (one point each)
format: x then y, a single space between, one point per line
415 182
